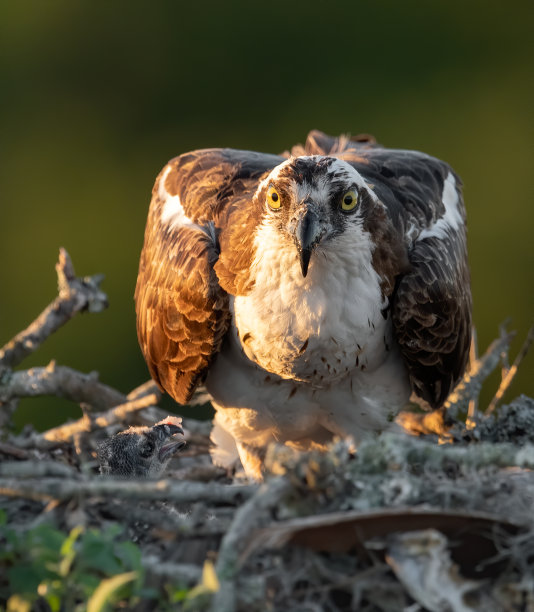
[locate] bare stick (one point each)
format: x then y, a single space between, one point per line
148 388
34 469
182 572
66 488
14 451
473 358
60 381
75 295
65 433
255 512
510 373
469 387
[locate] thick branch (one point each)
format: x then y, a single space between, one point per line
36 469
60 381
255 512
75 295
184 492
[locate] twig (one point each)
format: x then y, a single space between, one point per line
147 388
185 492
34 469
14 451
65 433
170 521
248 517
469 387
511 372
75 295
472 407
396 449
60 381
177 572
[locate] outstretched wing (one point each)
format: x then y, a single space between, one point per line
431 304
182 311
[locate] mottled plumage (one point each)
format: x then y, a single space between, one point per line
141 451
311 291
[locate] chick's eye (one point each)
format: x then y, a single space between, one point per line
273 198
349 200
148 449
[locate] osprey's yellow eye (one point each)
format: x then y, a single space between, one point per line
273 198
349 200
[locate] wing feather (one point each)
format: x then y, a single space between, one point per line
182 310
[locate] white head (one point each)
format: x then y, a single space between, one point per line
313 199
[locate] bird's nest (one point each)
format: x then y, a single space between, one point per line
438 521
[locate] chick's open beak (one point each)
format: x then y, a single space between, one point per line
169 429
170 448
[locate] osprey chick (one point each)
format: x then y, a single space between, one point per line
141 451
312 292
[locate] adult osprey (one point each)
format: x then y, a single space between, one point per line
312 291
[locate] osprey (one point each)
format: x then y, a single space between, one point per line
312 292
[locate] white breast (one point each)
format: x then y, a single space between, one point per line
319 328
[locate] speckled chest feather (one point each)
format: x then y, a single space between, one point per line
319 328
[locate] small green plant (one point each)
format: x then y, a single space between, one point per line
87 569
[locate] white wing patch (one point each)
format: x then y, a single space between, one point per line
172 212
451 219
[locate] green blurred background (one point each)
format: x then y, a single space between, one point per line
96 96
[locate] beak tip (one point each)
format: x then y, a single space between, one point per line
305 255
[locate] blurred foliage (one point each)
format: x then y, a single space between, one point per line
90 570
96 97
68 571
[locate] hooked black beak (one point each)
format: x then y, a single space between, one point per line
307 236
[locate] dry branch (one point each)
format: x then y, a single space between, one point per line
60 381
66 433
178 572
255 512
36 469
13 451
75 295
511 372
469 387
183 492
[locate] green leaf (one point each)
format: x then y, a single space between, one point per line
129 554
54 601
107 589
24 578
177 595
85 582
46 538
98 554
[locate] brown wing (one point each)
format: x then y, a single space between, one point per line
432 316
431 304
182 311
